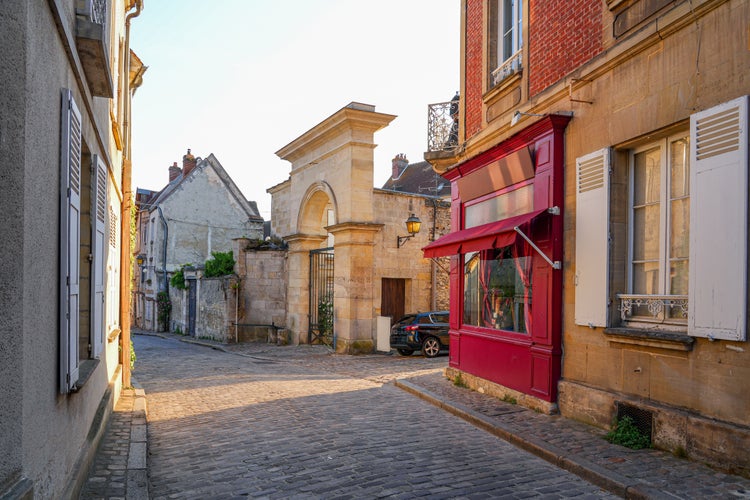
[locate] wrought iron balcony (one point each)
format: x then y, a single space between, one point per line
511 66
654 308
92 34
442 126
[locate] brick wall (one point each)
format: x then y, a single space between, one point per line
474 69
563 34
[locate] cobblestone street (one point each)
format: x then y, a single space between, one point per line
311 425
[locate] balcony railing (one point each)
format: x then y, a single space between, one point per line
654 308
510 66
442 127
94 11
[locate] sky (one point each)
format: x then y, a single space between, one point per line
243 78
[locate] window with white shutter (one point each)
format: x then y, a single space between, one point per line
592 239
98 225
718 223
70 237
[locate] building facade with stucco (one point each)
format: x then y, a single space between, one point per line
68 76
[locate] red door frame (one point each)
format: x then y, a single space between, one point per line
528 363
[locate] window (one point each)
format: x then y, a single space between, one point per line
677 244
659 216
497 290
506 38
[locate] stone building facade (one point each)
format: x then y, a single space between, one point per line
198 212
329 202
646 107
67 81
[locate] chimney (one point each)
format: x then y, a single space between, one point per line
399 164
174 172
188 163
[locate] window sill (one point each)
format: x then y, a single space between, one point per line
85 370
674 341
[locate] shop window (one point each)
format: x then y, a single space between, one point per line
506 39
497 289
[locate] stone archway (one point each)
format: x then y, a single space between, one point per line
332 173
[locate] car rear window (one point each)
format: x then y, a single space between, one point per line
440 318
406 320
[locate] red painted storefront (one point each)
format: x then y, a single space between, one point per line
524 172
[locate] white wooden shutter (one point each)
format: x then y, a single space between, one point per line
70 240
592 239
718 221
98 247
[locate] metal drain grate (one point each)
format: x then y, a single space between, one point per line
642 419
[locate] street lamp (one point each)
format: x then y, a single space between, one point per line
413 224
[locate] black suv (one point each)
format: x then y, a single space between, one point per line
427 331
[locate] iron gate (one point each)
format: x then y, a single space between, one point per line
320 328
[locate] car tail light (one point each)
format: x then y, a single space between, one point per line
412 328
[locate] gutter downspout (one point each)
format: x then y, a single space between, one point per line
164 250
127 202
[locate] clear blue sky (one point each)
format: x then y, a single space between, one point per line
243 78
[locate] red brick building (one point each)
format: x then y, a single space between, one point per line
599 214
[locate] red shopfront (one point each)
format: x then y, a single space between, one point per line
506 248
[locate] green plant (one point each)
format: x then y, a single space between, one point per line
680 452
178 278
625 433
132 355
460 382
510 399
221 264
178 330
164 307
325 316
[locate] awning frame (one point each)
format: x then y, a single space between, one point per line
555 264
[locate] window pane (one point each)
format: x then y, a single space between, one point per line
646 278
679 169
471 289
679 230
497 290
646 233
516 202
678 277
647 177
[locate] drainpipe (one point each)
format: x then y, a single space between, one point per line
433 267
125 256
164 250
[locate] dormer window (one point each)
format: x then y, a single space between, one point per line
506 39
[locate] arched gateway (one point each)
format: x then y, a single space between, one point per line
327 203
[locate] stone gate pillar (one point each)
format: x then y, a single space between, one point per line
353 291
298 282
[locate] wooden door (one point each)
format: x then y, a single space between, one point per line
393 297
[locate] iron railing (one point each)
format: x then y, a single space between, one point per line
442 126
654 308
93 10
508 67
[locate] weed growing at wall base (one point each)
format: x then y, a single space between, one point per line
625 433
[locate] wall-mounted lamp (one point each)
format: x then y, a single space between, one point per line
413 224
140 259
518 114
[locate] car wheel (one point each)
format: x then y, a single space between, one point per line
405 352
430 347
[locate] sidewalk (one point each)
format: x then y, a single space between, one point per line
575 447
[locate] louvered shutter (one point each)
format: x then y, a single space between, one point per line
592 239
718 221
99 198
70 240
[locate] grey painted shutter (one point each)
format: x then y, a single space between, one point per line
70 240
99 197
592 239
718 221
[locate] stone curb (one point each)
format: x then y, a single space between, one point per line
611 481
137 467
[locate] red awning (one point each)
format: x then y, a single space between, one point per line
493 235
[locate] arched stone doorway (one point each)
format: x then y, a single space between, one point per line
328 202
